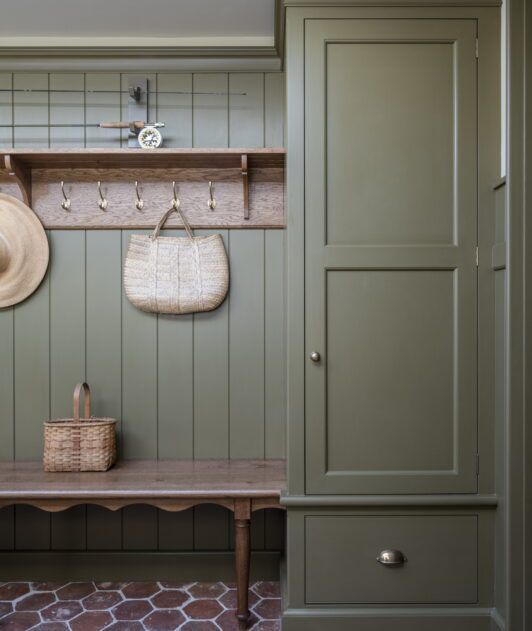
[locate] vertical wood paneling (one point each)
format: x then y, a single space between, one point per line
102 107
175 110
246 113
7 401
246 344
175 335
66 108
104 358
274 328
31 108
139 378
140 530
32 403
67 355
6 109
206 386
274 99
7 412
211 396
176 530
210 111
139 409
7 528
175 387
211 412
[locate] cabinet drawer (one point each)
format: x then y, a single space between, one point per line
341 559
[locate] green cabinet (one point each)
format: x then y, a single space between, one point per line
438 559
390 256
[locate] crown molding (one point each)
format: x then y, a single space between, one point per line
147 54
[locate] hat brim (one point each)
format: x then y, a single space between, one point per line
24 251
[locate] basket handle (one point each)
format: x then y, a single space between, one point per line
87 400
162 221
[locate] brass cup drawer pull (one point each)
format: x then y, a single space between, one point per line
391 558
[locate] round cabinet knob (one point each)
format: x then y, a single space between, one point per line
315 356
391 557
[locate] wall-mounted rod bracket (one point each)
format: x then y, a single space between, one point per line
135 92
22 176
245 184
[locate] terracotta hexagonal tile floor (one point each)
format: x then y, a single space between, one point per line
142 606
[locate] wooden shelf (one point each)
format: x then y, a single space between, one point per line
85 165
143 158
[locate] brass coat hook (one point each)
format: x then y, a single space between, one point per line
139 203
212 202
65 204
175 201
102 202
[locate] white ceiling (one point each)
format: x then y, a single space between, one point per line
41 23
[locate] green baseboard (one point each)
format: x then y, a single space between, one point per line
133 566
407 619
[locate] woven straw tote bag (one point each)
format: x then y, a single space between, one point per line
176 275
80 444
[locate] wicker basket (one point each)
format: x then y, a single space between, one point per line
80 444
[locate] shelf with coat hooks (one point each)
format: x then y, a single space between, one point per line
130 188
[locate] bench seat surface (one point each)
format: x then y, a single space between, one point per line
161 479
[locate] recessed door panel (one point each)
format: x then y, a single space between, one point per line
390 126
390 256
390 370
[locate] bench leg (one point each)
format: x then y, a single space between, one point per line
242 559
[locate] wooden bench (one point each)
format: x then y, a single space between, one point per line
242 486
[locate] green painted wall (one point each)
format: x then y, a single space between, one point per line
207 386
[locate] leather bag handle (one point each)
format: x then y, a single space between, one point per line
87 401
163 219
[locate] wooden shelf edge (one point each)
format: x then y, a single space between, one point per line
141 158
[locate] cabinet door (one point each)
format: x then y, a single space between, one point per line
390 256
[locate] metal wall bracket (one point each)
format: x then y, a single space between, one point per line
138 104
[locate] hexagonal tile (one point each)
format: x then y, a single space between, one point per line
164 620
199 625
268 625
5 608
75 591
132 610
101 600
60 611
91 621
12 591
203 609
47 586
140 590
207 590
169 599
126 626
20 621
109 585
229 622
35 602
174 585
267 589
229 599
268 609
53 626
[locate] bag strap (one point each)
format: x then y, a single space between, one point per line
87 403
163 219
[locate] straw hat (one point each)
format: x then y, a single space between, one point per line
23 251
